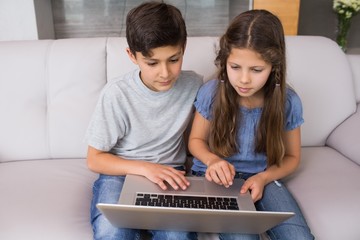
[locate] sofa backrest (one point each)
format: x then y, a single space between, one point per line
48 89
321 75
354 60
199 57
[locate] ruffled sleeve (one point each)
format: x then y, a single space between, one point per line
205 99
293 111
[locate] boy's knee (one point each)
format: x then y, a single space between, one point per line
102 228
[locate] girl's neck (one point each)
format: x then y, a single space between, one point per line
254 101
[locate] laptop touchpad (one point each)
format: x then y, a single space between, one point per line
197 185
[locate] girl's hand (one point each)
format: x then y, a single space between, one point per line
255 185
221 172
162 174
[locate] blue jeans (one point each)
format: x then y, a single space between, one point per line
107 189
277 198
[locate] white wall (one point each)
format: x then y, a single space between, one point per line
26 20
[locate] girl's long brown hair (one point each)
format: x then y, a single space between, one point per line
262 32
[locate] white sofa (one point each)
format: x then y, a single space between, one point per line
48 89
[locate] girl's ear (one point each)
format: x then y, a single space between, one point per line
131 56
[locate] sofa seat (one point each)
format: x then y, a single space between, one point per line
327 183
43 200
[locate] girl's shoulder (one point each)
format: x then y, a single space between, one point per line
205 98
209 86
292 98
293 110
207 91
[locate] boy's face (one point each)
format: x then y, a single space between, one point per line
160 71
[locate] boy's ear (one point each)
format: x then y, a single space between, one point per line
184 48
131 56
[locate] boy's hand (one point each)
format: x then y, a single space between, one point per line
255 185
161 174
221 172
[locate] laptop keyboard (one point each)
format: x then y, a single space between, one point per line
181 201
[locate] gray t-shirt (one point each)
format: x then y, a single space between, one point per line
134 122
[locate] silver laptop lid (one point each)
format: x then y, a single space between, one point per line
126 215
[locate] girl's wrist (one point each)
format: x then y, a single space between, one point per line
212 160
265 176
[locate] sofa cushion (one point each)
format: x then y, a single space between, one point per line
327 188
345 138
48 91
320 73
76 75
45 199
23 100
117 60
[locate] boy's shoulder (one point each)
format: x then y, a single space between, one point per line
119 86
121 80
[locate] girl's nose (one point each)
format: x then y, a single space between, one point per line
244 78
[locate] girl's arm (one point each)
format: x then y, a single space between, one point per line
218 170
292 142
110 164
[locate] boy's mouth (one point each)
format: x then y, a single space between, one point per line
165 83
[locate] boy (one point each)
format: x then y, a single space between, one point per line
139 121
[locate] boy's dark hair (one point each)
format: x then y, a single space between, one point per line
152 25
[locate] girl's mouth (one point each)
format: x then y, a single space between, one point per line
244 90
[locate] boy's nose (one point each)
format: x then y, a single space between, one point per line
164 71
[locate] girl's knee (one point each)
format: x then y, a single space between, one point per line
162 235
238 236
290 231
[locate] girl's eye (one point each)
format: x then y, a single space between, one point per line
234 67
257 70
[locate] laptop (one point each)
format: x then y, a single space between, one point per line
204 207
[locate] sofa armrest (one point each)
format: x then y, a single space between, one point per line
346 137
354 61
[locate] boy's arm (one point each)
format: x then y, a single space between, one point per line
110 164
218 170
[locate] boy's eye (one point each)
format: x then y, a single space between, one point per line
175 60
151 63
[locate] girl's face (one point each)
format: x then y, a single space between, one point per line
160 71
247 72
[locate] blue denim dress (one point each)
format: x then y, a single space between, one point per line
247 162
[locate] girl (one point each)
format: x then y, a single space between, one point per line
247 123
